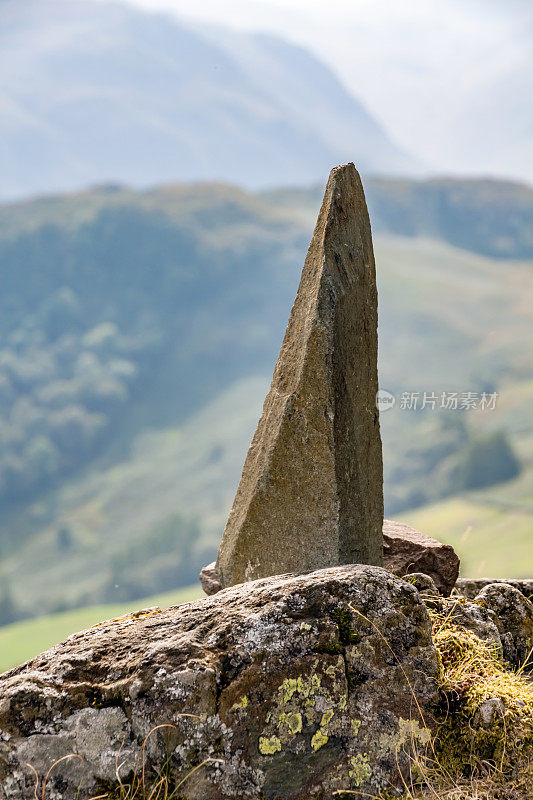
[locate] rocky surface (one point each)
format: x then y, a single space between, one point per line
406 551
297 687
470 587
311 493
500 613
514 619
468 614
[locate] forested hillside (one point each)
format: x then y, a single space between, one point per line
137 335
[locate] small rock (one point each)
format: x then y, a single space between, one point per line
407 551
491 710
210 579
423 583
514 619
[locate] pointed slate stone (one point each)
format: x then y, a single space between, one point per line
311 491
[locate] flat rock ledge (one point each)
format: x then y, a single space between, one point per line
285 687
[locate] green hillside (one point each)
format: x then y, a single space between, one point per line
493 540
138 332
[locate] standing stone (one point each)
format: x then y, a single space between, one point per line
311 491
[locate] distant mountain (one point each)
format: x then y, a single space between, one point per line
138 332
95 92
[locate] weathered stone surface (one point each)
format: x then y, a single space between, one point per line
514 619
291 681
470 587
423 583
310 495
406 550
210 579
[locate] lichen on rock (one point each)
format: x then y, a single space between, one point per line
360 770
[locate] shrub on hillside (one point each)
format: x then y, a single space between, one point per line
485 461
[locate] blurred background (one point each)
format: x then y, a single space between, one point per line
161 171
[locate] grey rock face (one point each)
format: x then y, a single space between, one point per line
407 551
514 619
500 613
311 494
294 691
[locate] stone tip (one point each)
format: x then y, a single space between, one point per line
345 170
345 189
349 167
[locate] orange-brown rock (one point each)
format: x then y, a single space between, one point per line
408 551
310 495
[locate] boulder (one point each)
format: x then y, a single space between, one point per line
514 619
288 687
311 491
406 551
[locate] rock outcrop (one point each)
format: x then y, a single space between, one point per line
509 604
311 493
406 551
279 688
499 612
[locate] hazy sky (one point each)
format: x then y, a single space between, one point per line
435 72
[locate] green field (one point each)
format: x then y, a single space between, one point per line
492 541
24 640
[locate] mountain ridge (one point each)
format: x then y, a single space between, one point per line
107 92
